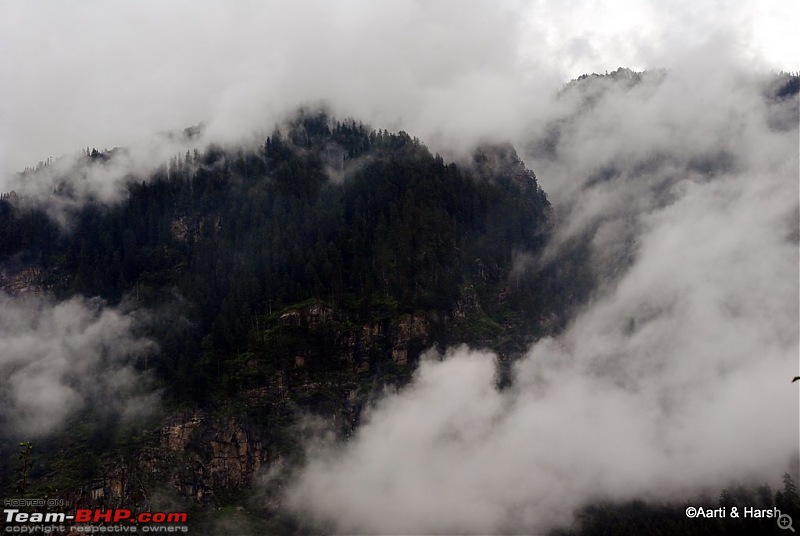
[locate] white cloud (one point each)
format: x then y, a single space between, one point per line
59 357
673 381
99 74
675 377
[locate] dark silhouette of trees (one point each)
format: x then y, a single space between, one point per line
324 210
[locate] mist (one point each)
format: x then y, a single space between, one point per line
58 358
96 75
61 187
673 381
84 75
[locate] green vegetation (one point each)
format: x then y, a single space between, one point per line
239 235
300 276
25 466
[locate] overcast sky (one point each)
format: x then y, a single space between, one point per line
104 74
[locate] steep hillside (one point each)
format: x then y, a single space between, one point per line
299 278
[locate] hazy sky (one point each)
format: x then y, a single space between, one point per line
90 73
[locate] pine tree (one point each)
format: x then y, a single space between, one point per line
25 466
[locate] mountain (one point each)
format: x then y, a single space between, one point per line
300 277
241 304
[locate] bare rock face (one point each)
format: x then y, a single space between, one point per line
195 455
411 332
22 281
177 434
351 347
120 487
412 327
214 453
234 456
19 278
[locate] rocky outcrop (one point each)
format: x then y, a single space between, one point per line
22 281
20 275
336 367
193 453
213 453
411 333
346 344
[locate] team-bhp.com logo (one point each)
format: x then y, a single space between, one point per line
122 514
124 519
85 515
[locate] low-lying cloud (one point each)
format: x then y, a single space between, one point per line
58 358
673 380
675 376
63 186
94 74
83 75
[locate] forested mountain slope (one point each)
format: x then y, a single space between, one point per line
298 277
241 301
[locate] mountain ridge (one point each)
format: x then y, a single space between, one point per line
303 277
